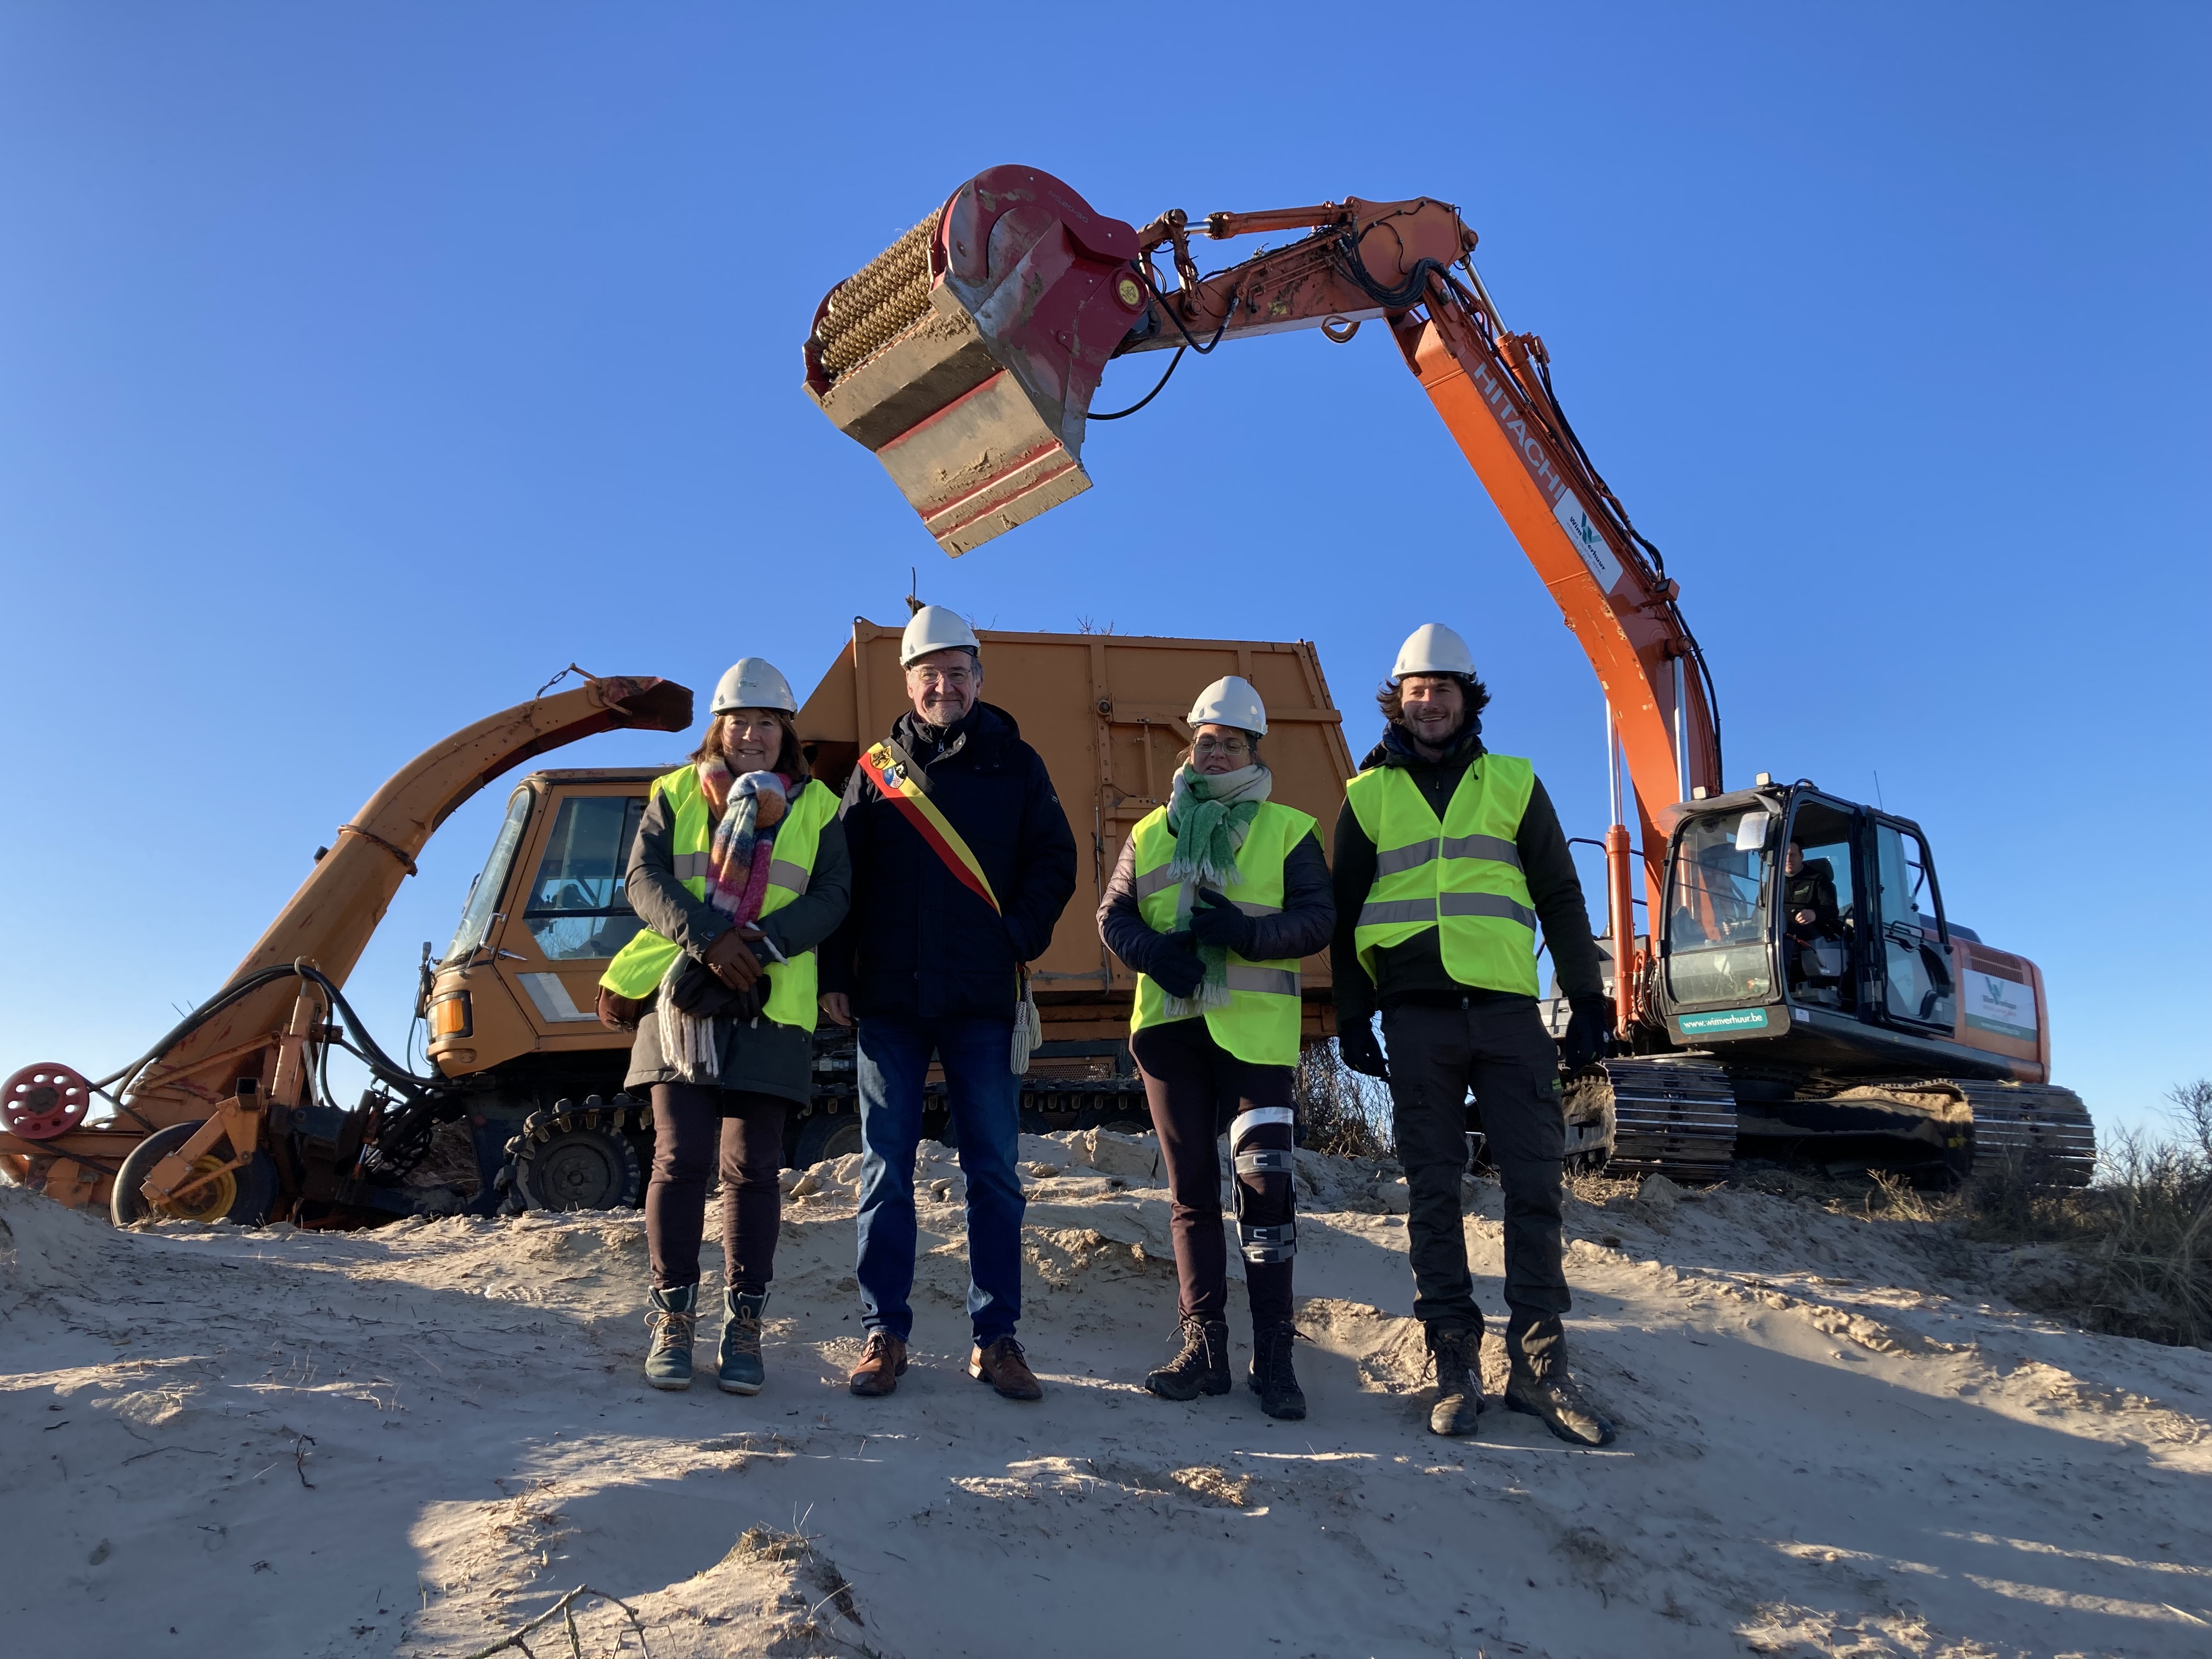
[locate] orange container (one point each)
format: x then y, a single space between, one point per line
1106 712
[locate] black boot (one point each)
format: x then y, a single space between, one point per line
1555 1401
1202 1366
1458 1355
1272 1377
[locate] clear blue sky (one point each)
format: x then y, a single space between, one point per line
361 366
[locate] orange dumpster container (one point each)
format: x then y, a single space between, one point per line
1106 712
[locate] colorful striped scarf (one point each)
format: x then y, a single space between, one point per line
738 854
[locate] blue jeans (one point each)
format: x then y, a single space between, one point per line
985 1095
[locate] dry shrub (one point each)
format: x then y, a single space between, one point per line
2138 1238
1341 1112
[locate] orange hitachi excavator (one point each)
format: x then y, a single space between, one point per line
1804 992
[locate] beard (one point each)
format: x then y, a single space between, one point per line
1450 734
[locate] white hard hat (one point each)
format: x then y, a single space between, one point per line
1432 648
753 683
935 628
1231 701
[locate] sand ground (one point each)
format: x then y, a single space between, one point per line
216 1441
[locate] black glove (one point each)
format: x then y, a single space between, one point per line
1215 920
1361 1052
1175 968
1589 1032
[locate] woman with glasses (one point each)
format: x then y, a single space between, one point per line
1215 898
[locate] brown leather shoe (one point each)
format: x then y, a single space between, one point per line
882 1362
1002 1366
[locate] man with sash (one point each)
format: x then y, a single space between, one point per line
1447 859
962 863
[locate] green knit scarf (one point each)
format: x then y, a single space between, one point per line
1209 817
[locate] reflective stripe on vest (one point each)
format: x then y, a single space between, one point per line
639 969
1261 1023
1460 874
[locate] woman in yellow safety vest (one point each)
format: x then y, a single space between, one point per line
1215 898
738 872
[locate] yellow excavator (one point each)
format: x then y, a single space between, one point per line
230 1115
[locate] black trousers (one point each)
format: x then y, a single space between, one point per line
689 1119
1197 1088
1499 1047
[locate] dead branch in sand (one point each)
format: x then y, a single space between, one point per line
564 1608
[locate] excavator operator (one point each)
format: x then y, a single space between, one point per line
1815 924
1447 858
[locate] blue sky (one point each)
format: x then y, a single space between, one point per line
359 366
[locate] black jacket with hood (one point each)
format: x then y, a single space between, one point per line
917 942
1415 971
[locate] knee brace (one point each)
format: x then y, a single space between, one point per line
1265 1165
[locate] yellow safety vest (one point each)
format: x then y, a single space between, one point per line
1461 874
639 969
1260 1025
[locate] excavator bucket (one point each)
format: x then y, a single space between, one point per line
965 355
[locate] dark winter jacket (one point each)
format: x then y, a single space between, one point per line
1415 971
918 942
1301 927
761 1056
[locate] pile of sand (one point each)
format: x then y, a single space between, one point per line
414 1441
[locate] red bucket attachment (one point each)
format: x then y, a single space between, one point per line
966 355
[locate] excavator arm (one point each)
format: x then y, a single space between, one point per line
967 356
330 919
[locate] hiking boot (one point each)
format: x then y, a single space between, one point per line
1271 1377
739 1365
1202 1366
1559 1404
1002 1366
673 1322
882 1362
1458 1355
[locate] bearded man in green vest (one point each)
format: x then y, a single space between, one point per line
1447 858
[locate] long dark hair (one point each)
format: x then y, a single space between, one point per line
790 760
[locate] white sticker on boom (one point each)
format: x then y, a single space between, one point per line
1590 541
2003 1007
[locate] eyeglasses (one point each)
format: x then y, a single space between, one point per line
940 676
1221 746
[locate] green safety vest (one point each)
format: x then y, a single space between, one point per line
637 971
1260 1025
1461 874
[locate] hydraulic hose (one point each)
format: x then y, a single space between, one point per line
1145 276
1123 414
379 1064
192 1021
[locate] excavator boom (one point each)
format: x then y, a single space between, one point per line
330 919
966 357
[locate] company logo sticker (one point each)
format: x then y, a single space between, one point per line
2003 1007
1590 541
1725 1019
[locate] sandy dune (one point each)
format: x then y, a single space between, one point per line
285 1443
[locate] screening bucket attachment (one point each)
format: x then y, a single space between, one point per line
966 354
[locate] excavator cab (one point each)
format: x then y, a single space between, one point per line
1798 921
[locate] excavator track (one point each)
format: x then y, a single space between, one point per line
1671 1117
2046 1128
